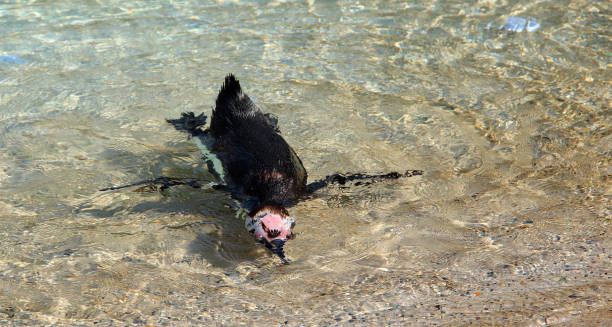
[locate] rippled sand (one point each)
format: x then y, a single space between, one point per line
509 225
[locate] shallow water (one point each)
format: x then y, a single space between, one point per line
510 223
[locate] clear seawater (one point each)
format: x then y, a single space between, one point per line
509 225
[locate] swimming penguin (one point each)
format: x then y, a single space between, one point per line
244 150
255 159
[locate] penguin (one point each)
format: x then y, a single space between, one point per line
245 152
255 160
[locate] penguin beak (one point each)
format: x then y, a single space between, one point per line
276 246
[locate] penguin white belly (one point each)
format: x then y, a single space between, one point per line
206 143
241 203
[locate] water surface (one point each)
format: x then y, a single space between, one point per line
510 223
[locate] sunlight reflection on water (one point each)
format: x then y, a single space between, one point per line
510 222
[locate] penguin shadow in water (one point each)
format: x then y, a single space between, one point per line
251 161
203 219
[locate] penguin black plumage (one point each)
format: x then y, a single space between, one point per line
244 149
255 159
